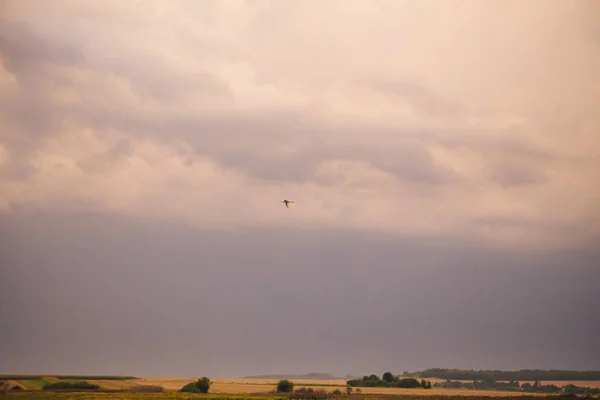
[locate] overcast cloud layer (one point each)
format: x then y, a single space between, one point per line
443 156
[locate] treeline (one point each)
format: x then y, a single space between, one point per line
65 385
74 377
497 375
535 387
389 380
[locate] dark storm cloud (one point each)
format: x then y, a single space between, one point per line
98 294
137 141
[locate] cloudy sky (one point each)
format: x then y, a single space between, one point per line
443 156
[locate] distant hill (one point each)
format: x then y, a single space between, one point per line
520 375
312 376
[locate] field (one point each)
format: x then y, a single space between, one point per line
247 386
39 395
253 389
264 386
259 386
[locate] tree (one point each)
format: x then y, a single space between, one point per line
408 383
62 385
200 386
388 377
589 392
285 386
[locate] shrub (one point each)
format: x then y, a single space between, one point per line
320 394
64 385
200 386
285 386
147 389
303 390
311 394
8 386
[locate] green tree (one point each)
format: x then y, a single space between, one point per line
590 392
285 386
200 386
61 385
408 383
388 377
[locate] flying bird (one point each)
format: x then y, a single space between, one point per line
287 202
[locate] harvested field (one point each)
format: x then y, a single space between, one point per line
40 395
266 387
262 386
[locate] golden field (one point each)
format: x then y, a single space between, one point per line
265 388
261 386
591 384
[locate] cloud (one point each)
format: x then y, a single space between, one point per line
513 174
441 155
106 159
101 279
399 116
419 98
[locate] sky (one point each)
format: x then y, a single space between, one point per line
442 155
